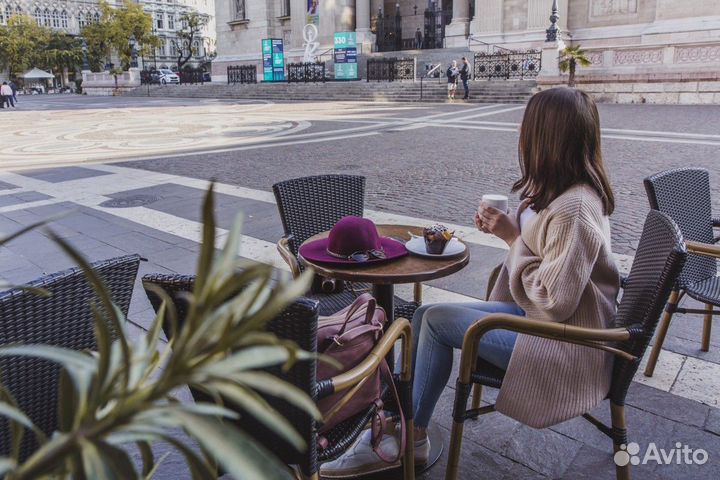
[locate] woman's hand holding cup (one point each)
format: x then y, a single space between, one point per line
492 217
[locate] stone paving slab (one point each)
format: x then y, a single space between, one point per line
415 165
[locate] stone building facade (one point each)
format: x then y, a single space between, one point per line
71 16
638 41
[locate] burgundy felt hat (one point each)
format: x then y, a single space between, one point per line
353 240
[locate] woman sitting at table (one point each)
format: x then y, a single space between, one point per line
559 269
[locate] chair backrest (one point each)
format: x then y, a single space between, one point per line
311 205
659 259
64 319
298 322
684 195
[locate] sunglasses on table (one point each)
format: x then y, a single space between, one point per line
365 256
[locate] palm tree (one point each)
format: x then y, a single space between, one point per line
570 58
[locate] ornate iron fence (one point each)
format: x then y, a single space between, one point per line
242 74
390 69
191 76
508 65
306 72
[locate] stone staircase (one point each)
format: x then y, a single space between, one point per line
433 90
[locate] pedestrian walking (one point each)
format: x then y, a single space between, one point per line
14 88
6 93
418 39
465 77
452 76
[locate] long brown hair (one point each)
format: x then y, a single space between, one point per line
560 147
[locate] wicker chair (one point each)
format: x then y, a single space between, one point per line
684 195
299 324
659 260
311 205
64 319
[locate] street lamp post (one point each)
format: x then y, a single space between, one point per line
553 32
85 65
133 53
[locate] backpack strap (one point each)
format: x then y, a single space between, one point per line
379 422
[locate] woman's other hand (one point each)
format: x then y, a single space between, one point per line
500 224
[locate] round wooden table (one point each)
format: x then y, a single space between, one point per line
383 276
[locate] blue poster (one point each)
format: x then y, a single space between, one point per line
345 56
273 60
278 60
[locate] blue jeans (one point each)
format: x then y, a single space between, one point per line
440 328
466 87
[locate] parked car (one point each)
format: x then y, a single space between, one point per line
206 77
168 77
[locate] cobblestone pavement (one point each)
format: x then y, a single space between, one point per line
424 163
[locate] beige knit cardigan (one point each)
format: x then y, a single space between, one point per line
561 270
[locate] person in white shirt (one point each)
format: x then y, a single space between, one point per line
6 93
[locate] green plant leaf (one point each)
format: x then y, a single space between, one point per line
260 410
102 292
7 465
149 475
118 460
249 359
148 459
95 465
207 249
239 454
270 384
17 416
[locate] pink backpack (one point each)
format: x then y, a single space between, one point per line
349 336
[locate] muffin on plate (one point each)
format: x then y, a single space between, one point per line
436 238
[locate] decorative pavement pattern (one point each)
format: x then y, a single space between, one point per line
151 206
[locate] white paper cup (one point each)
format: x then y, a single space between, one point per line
496 201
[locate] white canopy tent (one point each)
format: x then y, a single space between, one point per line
37 74
37 79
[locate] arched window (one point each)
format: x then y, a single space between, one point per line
55 19
46 17
196 48
38 16
96 17
64 19
81 20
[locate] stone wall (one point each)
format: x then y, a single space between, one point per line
103 83
687 89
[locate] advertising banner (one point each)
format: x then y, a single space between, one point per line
273 60
345 44
313 12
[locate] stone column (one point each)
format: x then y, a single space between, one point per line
488 19
456 33
362 25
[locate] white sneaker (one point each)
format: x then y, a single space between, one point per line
422 451
360 459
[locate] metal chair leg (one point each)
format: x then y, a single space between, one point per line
619 433
462 392
476 398
707 328
409 454
662 331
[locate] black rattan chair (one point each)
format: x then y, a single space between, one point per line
658 261
311 205
64 319
299 324
684 195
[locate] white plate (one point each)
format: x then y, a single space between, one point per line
453 248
